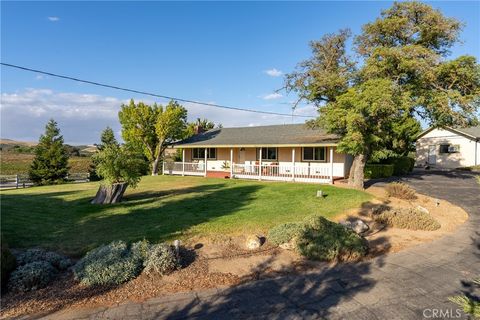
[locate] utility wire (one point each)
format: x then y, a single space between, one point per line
151 94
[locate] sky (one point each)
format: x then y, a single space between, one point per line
229 53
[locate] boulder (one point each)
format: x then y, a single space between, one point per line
253 242
358 225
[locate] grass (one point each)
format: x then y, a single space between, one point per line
161 208
19 163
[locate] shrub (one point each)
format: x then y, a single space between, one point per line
400 190
107 265
407 218
322 239
283 233
31 276
33 255
402 165
140 250
376 171
161 259
7 263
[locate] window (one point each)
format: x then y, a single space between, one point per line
199 153
448 148
267 153
314 154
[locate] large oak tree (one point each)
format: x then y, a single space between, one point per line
402 74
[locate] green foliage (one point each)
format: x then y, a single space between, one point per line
402 165
151 128
57 261
117 164
161 259
403 73
205 124
108 265
50 164
325 240
377 171
8 262
469 305
23 149
400 190
284 233
407 218
107 138
31 276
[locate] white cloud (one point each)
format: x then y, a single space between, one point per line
82 117
272 96
273 72
53 18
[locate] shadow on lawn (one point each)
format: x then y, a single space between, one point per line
75 226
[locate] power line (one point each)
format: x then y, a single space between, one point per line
151 94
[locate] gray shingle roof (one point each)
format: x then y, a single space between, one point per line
472 131
275 135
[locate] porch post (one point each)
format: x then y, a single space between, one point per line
293 163
331 165
260 165
231 162
205 173
183 161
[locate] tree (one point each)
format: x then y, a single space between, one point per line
50 164
205 124
119 167
404 52
152 128
107 138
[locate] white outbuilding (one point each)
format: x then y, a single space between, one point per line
448 147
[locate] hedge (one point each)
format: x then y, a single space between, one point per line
402 165
375 171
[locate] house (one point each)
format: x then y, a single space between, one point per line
448 147
278 152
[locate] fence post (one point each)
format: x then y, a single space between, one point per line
16 181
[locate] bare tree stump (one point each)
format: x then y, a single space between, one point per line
110 194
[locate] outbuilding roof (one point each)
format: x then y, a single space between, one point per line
261 136
470 132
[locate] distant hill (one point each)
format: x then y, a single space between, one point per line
10 145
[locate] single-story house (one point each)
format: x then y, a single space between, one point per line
292 152
448 147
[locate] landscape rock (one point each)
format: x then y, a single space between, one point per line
253 242
358 226
420 208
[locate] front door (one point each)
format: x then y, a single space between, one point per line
241 156
432 154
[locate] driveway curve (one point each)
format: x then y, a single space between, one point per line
413 284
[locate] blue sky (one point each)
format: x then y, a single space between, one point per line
207 51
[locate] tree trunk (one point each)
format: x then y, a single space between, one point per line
357 176
155 166
110 194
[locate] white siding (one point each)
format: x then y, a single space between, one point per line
469 154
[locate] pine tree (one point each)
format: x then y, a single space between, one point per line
50 164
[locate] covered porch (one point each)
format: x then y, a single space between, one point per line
315 163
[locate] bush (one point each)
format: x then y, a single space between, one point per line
107 265
7 263
140 250
161 259
322 239
31 276
283 233
57 261
407 218
376 171
402 165
400 190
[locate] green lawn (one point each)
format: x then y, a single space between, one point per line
161 208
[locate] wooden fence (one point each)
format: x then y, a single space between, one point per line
22 180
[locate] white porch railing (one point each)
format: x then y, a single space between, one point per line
282 173
184 168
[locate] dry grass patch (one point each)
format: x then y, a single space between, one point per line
401 191
407 218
